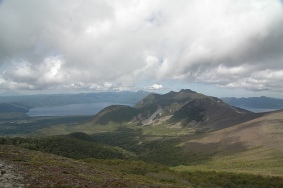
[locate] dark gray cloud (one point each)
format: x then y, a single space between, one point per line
108 44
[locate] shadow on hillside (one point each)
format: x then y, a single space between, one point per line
229 122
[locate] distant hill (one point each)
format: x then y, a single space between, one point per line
8 108
65 99
12 111
185 108
255 102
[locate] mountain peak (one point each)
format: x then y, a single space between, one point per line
187 91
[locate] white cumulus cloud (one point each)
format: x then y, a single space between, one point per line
156 86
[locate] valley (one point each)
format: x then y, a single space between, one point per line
169 140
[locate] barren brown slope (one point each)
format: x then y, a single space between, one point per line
264 131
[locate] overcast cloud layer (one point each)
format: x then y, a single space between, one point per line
106 44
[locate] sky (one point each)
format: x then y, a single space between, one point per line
216 47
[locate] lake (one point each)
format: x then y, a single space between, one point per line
90 109
70 110
258 110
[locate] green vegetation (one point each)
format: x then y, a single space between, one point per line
44 170
231 180
147 158
36 168
165 130
122 143
31 126
259 160
68 147
192 178
163 150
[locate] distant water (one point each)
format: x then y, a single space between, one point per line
92 109
258 110
70 110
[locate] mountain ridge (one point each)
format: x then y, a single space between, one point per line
186 107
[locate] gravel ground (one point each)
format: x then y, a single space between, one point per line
9 177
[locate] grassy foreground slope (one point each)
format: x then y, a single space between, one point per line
45 170
258 161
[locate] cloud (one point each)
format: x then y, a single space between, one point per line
156 86
104 44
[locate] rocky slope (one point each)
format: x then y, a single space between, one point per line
10 177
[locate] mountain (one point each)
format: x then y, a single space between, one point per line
255 102
186 108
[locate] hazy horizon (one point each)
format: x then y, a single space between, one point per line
21 93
